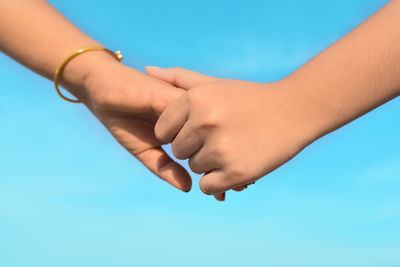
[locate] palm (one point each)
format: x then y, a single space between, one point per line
127 103
133 133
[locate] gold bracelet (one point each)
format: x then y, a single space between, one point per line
60 69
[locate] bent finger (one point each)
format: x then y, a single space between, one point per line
172 120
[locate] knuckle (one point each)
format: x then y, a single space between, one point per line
177 151
194 97
160 133
221 150
236 174
209 120
212 119
194 166
205 188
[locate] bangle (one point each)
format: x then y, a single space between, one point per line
60 69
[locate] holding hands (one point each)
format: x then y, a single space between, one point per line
234 132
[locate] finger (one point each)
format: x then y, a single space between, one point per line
139 94
220 197
158 162
163 95
137 136
214 183
172 120
187 142
240 188
180 77
203 161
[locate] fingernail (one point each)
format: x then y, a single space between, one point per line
223 196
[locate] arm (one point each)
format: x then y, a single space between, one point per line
236 132
123 99
356 74
35 34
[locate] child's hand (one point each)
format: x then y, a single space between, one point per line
234 132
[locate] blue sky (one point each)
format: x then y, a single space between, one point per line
70 196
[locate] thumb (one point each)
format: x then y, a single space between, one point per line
163 95
179 77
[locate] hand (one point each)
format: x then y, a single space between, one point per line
128 103
234 132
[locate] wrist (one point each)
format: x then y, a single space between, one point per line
79 70
105 81
314 113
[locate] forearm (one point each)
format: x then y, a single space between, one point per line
39 37
356 74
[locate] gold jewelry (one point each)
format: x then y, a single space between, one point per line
60 69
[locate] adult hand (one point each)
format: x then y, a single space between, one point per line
128 103
234 132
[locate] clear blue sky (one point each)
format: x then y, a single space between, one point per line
70 196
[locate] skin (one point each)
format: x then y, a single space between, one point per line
126 101
235 132
352 77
